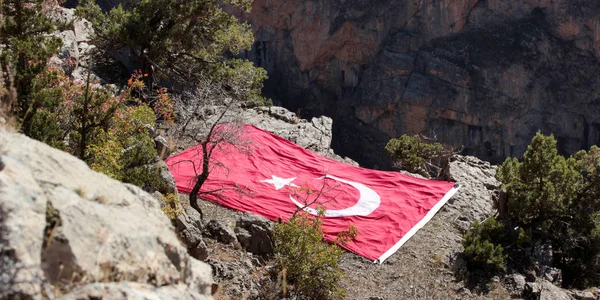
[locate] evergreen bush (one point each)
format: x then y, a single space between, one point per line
550 200
309 262
416 155
482 250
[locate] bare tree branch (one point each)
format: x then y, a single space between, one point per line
211 115
325 189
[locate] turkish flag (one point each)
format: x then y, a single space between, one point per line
273 177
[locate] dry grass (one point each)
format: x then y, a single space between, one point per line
227 257
498 291
8 100
438 259
7 121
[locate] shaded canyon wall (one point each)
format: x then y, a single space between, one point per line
482 74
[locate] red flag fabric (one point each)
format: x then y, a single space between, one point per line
275 177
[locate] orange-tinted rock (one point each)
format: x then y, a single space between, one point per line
483 74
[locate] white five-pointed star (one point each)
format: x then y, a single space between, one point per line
279 182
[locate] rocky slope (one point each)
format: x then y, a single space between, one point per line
68 231
432 71
482 74
428 266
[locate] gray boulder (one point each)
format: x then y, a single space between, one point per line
190 218
169 186
69 48
162 146
248 219
475 199
76 46
221 232
190 236
189 225
254 234
315 135
99 229
22 222
583 295
132 291
199 251
83 29
545 291
63 15
235 273
516 283
243 237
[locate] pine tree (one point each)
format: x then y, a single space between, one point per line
556 200
181 40
27 48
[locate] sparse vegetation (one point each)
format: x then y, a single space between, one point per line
52 222
110 133
171 206
101 199
26 49
419 155
81 192
8 98
550 200
482 251
186 43
308 262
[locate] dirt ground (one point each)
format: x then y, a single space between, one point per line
422 269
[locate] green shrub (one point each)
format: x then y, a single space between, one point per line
542 187
482 250
110 133
171 206
44 127
310 263
25 29
126 152
556 200
184 43
415 155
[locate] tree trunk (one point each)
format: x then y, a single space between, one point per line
200 179
84 120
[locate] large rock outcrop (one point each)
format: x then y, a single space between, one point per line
483 74
76 44
315 135
64 227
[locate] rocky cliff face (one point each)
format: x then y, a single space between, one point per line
482 74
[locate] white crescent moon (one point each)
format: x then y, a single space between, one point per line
367 203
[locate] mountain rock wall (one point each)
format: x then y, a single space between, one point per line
485 75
